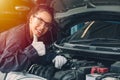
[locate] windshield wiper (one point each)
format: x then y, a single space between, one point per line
95 39
98 42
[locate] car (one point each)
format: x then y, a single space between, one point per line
93 49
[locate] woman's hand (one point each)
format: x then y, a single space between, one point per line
59 61
39 46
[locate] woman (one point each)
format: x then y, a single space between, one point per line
20 47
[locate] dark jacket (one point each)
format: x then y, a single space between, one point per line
16 51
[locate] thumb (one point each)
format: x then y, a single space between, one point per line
35 38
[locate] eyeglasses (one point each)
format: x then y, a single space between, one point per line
48 25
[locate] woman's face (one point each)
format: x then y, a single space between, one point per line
39 23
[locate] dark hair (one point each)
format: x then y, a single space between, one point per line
41 7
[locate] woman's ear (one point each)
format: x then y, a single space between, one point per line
30 19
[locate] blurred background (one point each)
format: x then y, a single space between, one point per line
13 12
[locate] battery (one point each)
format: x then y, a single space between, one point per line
92 76
110 78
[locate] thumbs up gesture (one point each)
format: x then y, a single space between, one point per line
39 46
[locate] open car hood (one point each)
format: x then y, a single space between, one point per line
94 44
72 11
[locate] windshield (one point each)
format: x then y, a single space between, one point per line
95 33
